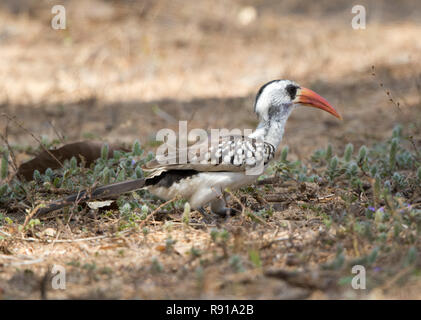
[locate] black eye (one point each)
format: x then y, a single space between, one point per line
292 90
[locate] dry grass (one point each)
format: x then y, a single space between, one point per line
106 75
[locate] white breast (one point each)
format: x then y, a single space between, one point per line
203 187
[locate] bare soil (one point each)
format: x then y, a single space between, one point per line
122 70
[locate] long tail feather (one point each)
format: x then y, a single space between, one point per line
107 191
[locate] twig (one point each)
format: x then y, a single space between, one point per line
5 233
277 197
31 214
237 200
19 257
243 208
27 262
9 148
54 191
411 139
326 197
76 203
33 136
155 211
396 103
193 224
59 136
164 115
114 235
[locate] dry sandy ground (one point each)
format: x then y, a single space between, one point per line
124 70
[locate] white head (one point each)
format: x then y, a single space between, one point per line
275 98
274 103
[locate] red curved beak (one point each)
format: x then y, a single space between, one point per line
310 98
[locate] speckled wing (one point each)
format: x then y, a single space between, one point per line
229 153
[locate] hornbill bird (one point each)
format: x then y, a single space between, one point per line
203 178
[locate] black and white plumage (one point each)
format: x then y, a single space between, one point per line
232 162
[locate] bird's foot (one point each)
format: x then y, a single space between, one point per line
226 212
206 216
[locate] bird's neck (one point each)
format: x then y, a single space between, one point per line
271 129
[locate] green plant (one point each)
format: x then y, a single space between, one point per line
236 263
4 169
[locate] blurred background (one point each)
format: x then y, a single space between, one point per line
124 69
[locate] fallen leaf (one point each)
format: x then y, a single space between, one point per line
100 204
50 232
161 248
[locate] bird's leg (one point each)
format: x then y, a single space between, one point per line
218 206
